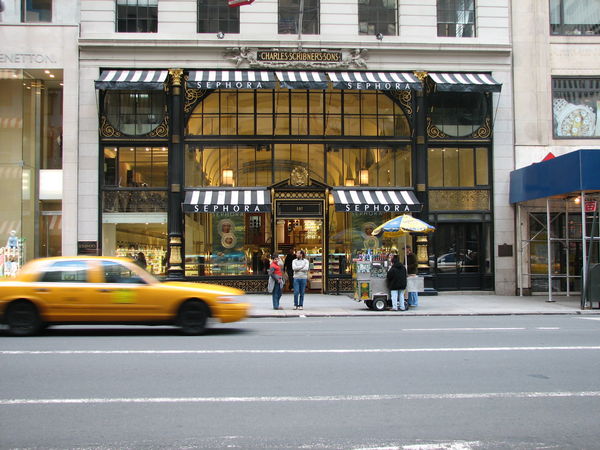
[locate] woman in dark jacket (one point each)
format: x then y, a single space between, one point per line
396 278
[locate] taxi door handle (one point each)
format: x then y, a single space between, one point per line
42 290
105 290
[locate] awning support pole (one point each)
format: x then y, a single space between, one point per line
583 254
549 250
519 252
567 247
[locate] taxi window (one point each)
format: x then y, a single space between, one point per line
115 272
65 272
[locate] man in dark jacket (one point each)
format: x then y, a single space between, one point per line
396 278
287 267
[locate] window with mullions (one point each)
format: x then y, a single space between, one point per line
456 18
372 166
576 107
137 16
293 18
35 11
377 16
575 17
135 166
298 112
233 165
134 113
458 113
216 15
458 167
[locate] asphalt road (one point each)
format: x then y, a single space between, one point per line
519 382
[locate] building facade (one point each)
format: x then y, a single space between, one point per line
39 77
214 136
556 98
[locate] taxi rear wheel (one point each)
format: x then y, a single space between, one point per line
192 317
23 319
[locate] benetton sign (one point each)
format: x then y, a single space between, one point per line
297 56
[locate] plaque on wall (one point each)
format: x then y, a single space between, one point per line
300 208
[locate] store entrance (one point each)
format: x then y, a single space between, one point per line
303 234
459 259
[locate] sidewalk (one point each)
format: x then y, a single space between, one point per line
444 304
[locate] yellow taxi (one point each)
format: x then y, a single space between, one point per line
97 289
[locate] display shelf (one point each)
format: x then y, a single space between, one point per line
315 274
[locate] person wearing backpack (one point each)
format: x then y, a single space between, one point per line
396 279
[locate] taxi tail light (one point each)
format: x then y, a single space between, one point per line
226 299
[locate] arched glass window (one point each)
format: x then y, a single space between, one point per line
134 113
458 113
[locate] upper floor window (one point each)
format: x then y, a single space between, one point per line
458 113
575 17
137 16
456 18
134 112
215 16
377 16
36 11
575 107
293 17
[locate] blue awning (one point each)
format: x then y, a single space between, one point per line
571 173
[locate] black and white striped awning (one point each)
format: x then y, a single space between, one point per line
231 200
132 79
375 200
231 79
302 80
383 81
465 82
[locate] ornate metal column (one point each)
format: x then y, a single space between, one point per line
175 251
420 180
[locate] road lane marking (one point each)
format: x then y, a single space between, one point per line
547 328
463 329
296 351
308 398
589 318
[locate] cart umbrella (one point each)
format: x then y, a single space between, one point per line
401 226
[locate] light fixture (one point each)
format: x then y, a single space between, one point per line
227 177
577 200
220 35
363 177
349 182
379 36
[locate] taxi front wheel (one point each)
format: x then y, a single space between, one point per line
23 319
192 317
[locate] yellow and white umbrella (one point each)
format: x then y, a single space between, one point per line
401 226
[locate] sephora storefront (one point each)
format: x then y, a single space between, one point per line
208 172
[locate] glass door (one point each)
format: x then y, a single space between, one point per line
306 235
50 234
457 260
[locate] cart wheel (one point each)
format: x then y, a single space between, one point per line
369 304
380 304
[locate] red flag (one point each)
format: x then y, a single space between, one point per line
234 3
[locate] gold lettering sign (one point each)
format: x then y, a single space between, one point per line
297 56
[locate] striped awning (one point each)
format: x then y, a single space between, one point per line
375 200
231 200
302 80
383 81
231 79
134 80
465 82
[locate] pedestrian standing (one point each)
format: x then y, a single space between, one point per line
275 280
287 266
300 266
396 278
411 269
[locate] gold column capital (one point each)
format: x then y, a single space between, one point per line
176 76
421 75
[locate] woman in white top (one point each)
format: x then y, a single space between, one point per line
300 267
